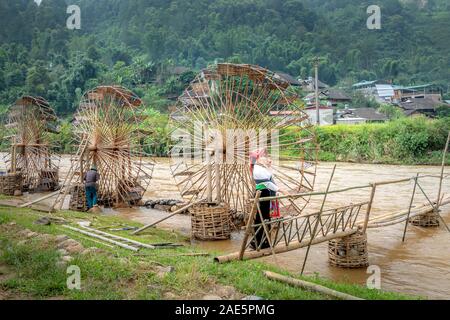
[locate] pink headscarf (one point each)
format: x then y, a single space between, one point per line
254 156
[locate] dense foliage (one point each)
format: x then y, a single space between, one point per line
407 140
135 43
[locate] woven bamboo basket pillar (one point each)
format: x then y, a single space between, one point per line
78 198
425 220
10 183
210 221
349 252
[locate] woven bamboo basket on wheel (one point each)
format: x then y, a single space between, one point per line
49 180
211 221
349 252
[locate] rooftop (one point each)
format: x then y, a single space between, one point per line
370 114
334 94
425 103
288 78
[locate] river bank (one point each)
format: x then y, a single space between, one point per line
30 270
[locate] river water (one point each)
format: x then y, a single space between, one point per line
419 266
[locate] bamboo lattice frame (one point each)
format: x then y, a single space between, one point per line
247 98
31 121
284 231
108 134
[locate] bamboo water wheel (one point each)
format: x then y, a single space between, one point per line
251 108
30 124
109 135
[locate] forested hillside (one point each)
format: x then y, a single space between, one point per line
132 42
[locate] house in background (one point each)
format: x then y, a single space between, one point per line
402 93
326 115
287 78
427 106
365 85
335 97
310 98
384 93
359 115
381 91
308 85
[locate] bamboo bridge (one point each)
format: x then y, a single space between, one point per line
340 225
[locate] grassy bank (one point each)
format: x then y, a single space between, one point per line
29 268
405 141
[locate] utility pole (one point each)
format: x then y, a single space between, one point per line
316 85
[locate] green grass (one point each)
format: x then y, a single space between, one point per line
121 274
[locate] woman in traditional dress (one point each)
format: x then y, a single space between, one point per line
261 170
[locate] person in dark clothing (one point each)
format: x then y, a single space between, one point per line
90 183
260 167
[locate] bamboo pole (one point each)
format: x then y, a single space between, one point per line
397 214
442 169
423 210
310 286
208 177
369 207
266 231
144 245
319 216
40 199
283 248
93 235
440 182
410 206
318 193
218 183
248 227
165 218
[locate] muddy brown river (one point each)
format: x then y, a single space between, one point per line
419 266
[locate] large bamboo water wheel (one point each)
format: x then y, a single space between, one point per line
31 121
109 135
251 108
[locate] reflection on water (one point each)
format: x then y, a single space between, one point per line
419 266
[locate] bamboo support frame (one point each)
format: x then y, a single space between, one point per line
369 207
250 220
318 219
281 249
410 206
381 221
